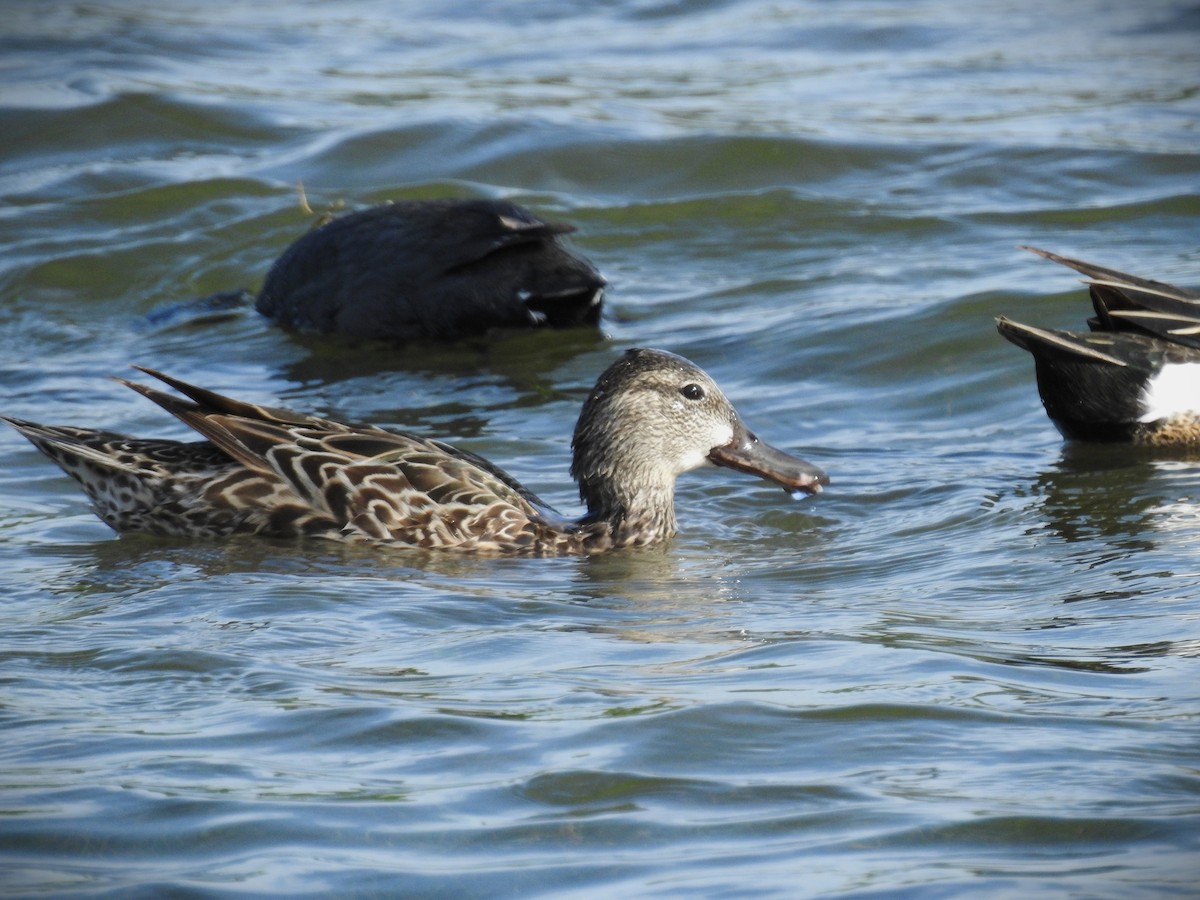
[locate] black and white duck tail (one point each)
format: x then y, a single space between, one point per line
1113 386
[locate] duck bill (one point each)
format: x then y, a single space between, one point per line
746 453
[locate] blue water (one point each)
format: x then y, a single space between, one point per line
970 668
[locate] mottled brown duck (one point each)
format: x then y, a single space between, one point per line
651 416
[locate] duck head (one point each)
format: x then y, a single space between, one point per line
653 416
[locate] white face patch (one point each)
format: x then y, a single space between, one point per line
694 457
1174 391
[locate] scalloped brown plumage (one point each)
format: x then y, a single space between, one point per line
263 470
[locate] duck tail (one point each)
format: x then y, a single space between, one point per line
72 447
1125 302
1044 343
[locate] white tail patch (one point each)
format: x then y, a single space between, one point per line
1174 391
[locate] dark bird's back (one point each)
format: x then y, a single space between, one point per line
432 269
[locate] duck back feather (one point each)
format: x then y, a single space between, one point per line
432 269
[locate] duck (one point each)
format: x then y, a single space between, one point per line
1135 376
259 470
441 270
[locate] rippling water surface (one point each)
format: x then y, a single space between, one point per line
968 669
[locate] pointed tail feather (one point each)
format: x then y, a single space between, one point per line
67 445
1041 341
1115 278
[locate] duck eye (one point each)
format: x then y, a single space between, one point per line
692 391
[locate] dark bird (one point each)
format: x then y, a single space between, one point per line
651 416
1135 376
432 270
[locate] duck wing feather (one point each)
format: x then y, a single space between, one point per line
374 483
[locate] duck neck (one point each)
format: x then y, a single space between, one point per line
633 513
622 466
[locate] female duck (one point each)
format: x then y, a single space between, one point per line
651 416
432 269
1135 376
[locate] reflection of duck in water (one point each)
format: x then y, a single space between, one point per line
1135 376
651 416
432 269
1106 495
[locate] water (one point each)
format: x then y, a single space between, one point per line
967 669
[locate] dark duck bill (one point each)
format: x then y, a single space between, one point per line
746 453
